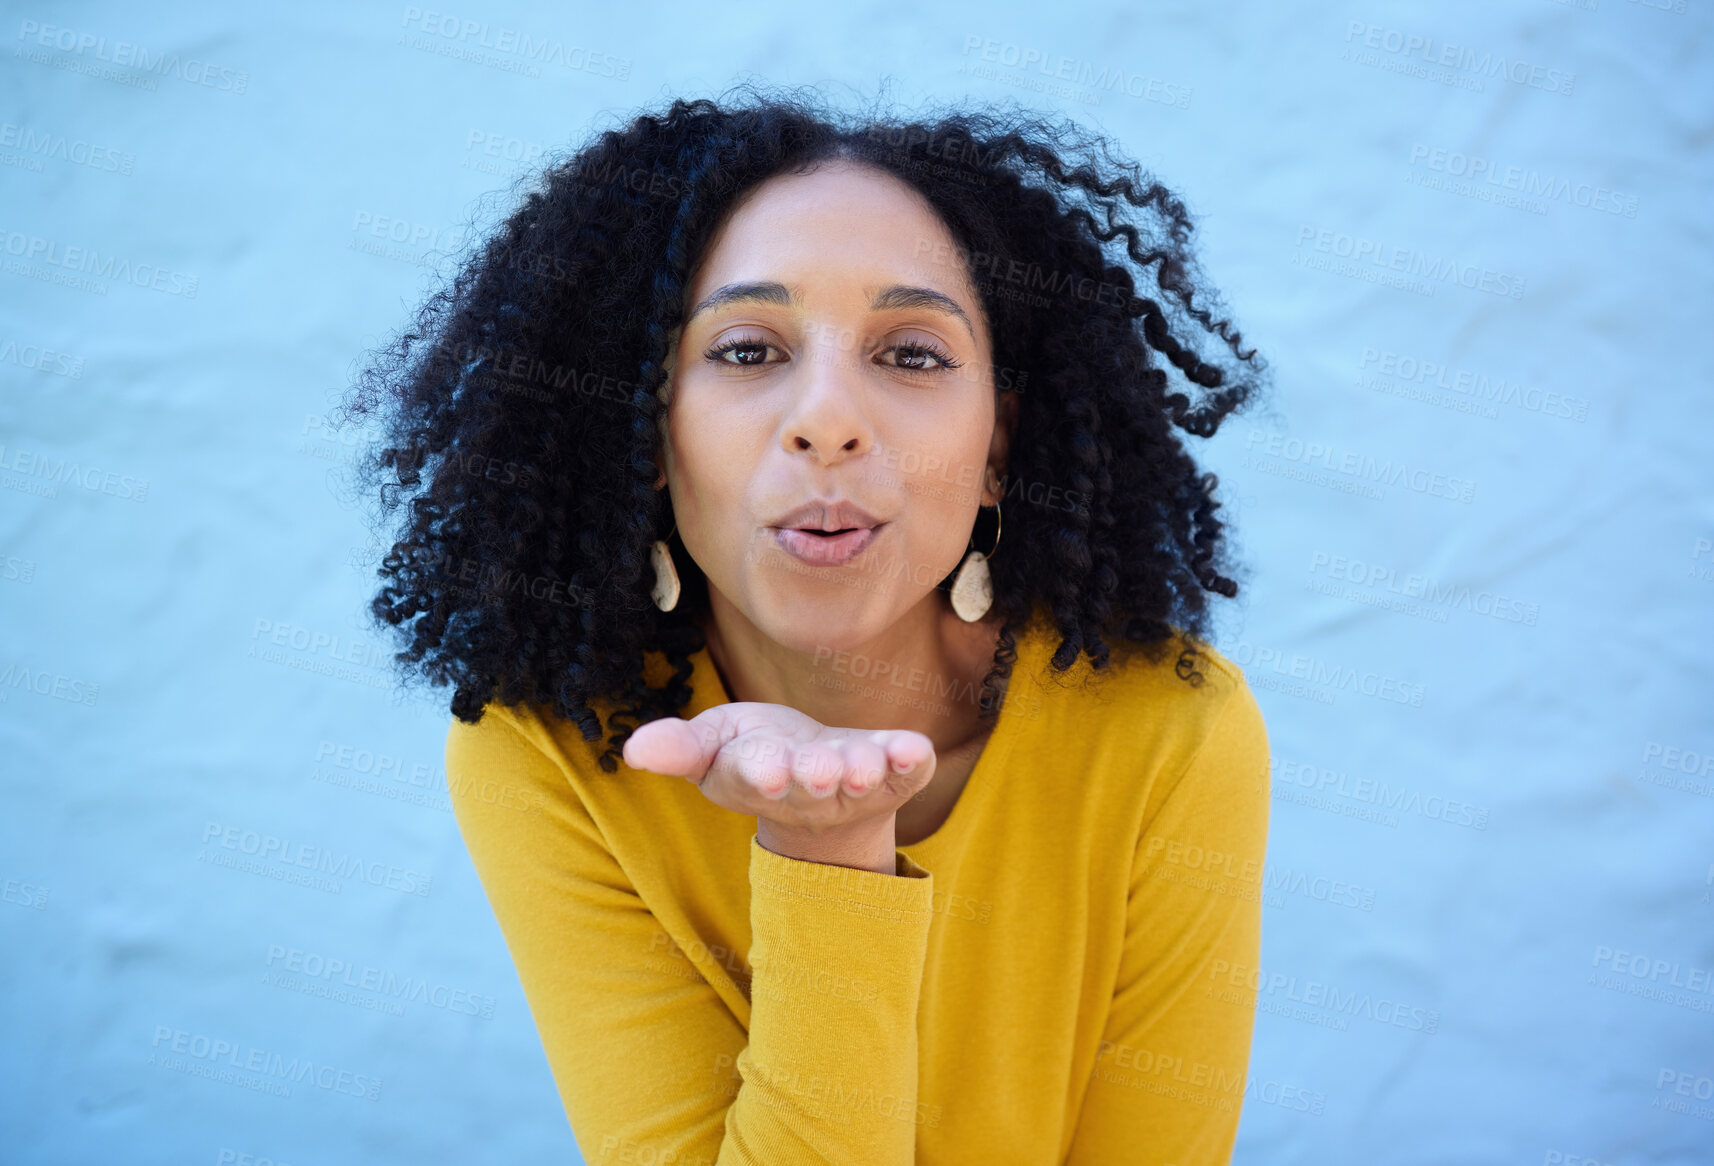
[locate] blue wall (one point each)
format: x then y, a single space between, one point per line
1474 241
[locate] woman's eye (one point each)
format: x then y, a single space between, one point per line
749 352
914 358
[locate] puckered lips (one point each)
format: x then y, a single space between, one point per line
826 532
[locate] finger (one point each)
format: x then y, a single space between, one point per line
906 749
760 759
865 765
818 767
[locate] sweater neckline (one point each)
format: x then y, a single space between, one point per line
706 679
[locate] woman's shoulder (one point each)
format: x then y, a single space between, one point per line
1158 707
1183 674
525 739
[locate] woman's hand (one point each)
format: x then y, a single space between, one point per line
776 764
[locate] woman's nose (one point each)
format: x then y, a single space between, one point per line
827 411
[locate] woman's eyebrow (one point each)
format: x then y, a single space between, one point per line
896 295
900 295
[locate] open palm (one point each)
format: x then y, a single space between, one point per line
772 761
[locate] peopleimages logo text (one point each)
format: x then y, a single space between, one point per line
235 1056
29 248
133 56
317 858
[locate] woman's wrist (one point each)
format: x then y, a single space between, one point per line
868 845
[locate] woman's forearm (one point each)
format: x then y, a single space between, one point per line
870 845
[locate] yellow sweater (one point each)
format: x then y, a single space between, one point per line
1041 982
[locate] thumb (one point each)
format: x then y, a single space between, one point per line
668 746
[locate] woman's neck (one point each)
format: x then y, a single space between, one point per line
924 673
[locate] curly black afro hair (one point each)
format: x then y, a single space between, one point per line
520 411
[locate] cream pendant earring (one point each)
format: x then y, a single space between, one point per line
665 593
973 586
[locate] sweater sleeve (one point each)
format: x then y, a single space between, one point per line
1170 1072
651 1065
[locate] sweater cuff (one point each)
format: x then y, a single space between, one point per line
907 897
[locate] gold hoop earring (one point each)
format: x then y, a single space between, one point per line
665 592
973 586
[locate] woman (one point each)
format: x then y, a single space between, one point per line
889 856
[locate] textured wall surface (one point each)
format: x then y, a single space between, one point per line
1476 516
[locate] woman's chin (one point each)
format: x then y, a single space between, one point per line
820 622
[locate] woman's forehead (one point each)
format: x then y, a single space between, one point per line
849 235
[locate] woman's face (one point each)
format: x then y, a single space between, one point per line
834 350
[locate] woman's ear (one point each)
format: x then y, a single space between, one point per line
665 395
1000 445
663 451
